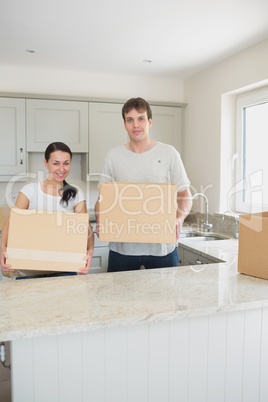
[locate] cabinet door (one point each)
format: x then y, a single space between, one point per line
191 258
181 256
12 136
106 131
167 125
100 257
99 260
64 121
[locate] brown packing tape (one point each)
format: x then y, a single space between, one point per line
38 265
56 256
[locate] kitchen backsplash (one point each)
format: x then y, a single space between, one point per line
226 226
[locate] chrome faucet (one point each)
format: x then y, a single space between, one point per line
207 225
236 235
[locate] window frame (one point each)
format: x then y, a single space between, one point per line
244 100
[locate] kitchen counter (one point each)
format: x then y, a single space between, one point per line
55 306
195 333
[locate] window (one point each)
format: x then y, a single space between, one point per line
252 150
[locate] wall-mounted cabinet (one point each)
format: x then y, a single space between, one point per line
87 127
55 120
167 125
106 131
12 135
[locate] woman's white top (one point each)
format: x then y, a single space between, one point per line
45 202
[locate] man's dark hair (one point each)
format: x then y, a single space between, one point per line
139 104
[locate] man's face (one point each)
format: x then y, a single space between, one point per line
137 125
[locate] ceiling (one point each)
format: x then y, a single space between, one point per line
164 38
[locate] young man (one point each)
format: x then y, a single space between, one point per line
146 161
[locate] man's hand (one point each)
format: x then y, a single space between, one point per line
179 224
184 205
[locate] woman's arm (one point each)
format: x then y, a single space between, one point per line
22 202
81 208
3 256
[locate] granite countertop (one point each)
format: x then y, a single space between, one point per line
54 306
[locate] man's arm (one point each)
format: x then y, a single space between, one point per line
184 205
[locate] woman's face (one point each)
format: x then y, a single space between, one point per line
58 165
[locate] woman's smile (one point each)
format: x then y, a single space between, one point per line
58 165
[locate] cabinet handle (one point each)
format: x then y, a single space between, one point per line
21 156
198 262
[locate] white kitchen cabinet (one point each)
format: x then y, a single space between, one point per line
167 125
192 258
55 120
100 257
106 131
12 135
180 253
89 128
217 357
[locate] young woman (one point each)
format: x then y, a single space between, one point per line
53 194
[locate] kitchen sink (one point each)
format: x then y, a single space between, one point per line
202 236
189 234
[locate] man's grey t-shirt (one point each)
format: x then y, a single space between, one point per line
161 164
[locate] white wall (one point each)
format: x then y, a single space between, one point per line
208 94
205 93
57 82
19 80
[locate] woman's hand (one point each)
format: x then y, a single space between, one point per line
88 258
5 267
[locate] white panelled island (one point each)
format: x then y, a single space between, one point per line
188 334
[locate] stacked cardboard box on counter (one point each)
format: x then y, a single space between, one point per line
253 245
